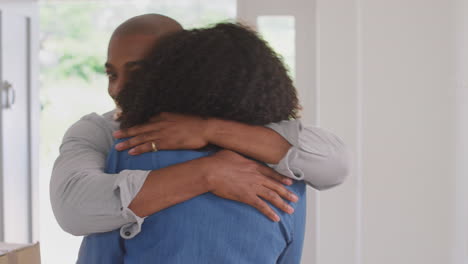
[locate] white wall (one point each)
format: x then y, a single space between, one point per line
382 75
461 224
338 106
387 85
408 65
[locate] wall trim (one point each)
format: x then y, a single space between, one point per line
359 116
460 254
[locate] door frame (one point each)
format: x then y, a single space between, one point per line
28 9
461 195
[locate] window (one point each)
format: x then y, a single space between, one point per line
74 38
280 32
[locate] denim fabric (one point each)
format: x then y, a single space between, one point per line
203 230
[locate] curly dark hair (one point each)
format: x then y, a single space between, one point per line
226 71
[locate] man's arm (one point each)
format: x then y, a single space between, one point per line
225 174
317 156
85 200
303 153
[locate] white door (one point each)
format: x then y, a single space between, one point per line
16 127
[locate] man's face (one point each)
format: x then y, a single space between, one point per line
124 55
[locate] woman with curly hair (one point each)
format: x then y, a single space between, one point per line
225 72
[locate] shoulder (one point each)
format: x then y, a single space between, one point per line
87 125
93 129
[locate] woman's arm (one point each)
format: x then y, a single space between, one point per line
303 153
176 131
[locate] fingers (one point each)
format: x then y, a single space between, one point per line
138 130
138 140
264 208
280 190
143 148
274 175
275 200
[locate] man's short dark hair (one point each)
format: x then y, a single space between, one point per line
147 24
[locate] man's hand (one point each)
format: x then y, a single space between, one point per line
234 177
167 131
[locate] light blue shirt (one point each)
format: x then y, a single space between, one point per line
203 230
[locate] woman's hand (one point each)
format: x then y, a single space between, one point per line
234 177
167 131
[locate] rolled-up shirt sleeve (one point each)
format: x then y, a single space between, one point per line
317 156
84 199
